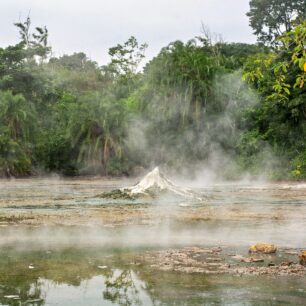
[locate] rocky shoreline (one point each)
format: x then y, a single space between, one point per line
219 260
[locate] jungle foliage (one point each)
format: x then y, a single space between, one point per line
238 105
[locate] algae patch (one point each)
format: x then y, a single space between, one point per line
117 194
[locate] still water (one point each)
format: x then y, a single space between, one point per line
61 245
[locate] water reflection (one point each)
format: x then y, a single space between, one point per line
112 277
68 277
123 287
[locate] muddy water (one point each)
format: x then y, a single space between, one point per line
62 245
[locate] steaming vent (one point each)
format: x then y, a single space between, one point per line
152 186
153 180
155 183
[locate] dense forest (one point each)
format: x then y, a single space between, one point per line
234 108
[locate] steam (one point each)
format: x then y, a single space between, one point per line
230 234
233 214
206 150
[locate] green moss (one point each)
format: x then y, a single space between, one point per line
117 194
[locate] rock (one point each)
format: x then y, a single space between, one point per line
265 248
248 259
257 259
286 263
182 260
303 258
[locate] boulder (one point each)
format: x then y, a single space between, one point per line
265 248
303 258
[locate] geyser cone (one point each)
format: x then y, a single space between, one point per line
153 180
155 183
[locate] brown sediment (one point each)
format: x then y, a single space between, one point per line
195 260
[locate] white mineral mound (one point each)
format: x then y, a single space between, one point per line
155 182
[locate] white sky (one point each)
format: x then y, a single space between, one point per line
93 26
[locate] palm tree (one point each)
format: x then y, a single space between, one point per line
17 126
95 127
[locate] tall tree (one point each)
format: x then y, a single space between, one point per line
271 18
36 42
125 58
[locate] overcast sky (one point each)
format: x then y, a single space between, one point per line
93 26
